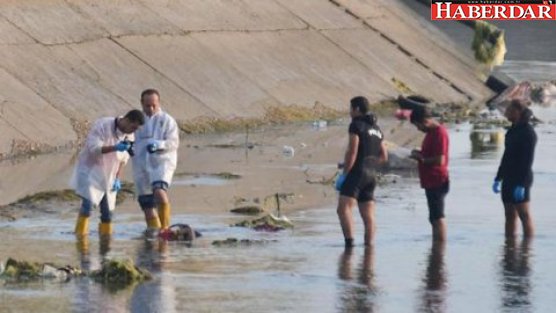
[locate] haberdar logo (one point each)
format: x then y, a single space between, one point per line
493 10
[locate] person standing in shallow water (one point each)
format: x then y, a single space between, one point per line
515 174
156 149
96 175
433 167
366 150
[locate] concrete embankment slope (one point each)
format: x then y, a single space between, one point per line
64 62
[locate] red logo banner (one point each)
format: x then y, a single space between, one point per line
494 10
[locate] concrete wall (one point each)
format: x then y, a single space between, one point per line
63 61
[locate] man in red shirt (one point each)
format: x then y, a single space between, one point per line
433 167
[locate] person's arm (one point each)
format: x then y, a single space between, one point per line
383 153
434 161
351 152
527 155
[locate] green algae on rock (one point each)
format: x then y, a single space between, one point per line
120 272
25 271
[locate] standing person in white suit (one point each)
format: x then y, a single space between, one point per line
96 175
155 161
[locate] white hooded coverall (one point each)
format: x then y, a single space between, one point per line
162 130
95 172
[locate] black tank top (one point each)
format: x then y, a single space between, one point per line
370 140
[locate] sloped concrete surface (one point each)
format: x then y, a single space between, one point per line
64 61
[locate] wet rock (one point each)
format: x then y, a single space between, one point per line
249 210
267 223
24 271
120 273
234 242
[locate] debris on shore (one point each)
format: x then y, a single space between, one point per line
268 223
25 271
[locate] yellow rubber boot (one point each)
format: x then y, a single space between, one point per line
164 215
105 229
82 226
153 223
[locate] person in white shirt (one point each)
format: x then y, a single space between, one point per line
156 148
96 175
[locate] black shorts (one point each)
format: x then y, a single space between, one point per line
359 185
508 193
435 200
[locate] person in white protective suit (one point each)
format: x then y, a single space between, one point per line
96 175
155 161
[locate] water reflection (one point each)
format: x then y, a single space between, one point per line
359 296
433 297
485 141
515 280
91 296
158 295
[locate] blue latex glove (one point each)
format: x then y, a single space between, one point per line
117 186
152 147
496 186
340 181
122 146
519 193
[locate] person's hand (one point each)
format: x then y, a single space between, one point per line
152 147
416 155
496 186
122 146
519 193
340 181
117 185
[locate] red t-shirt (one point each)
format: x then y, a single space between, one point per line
436 143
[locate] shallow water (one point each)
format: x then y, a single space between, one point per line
307 269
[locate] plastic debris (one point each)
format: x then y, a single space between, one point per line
320 124
179 232
268 222
288 151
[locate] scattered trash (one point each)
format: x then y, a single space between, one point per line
268 222
179 232
288 151
402 114
320 124
24 271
